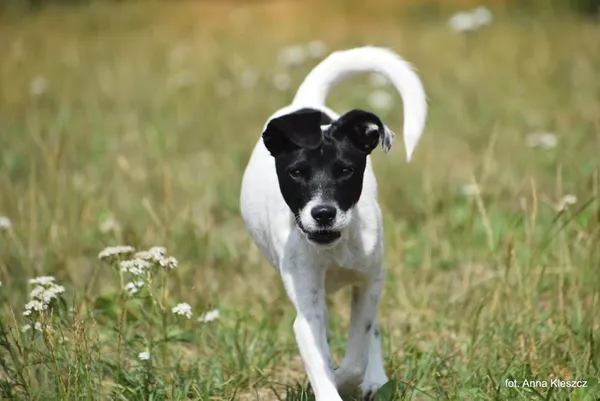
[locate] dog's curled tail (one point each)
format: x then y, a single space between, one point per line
342 64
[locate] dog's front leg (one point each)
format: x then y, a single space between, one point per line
363 323
304 281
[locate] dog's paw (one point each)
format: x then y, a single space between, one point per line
370 395
348 380
370 389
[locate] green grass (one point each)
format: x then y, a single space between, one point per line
139 135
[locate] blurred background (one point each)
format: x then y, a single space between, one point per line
131 122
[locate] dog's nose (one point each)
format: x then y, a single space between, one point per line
323 214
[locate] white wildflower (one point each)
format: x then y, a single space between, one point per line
158 252
38 86
249 78
137 267
380 99
134 287
470 190
378 80
209 316
542 140
316 49
282 81
473 20
154 254
144 356
50 293
183 309
37 292
462 22
34 305
5 223
223 88
292 55
36 326
115 251
482 16
42 280
169 262
144 255
566 201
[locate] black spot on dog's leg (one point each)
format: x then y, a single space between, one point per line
376 332
369 325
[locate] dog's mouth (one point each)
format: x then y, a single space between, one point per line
324 237
320 237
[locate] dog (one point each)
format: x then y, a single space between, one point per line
309 202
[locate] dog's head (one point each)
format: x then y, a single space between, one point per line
320 165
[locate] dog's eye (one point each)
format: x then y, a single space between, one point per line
297 174
347 171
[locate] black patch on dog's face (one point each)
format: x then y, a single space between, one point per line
326 163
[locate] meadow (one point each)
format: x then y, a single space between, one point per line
130 124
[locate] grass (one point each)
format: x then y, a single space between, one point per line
127 124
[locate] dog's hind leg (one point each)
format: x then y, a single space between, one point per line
363 321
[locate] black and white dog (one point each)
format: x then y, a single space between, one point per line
309 201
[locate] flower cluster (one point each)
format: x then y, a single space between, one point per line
144 356
37 326
144 261
142 264
5 223
114 251
42 295
134 287
471 20
157 255
209 316
542 140
183 310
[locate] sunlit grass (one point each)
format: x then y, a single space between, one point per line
131 125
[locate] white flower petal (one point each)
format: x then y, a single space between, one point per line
183 309
42 280
209 316
542 140
115 251
5 223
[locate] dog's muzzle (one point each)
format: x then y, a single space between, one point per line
324 237
320 237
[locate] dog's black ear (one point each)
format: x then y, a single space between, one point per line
364 129
300 129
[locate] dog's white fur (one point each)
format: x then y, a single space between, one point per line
310 271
